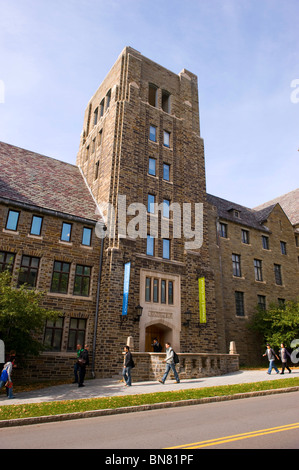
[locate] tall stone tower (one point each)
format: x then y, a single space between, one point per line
141 145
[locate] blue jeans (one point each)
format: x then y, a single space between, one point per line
127 375
9 391
168 367
272 365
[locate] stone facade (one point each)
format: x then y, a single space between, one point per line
247 247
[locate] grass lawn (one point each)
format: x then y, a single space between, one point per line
73 406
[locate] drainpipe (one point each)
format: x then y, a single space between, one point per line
97 306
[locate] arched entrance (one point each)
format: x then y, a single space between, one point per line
159 331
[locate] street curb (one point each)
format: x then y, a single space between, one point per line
134 409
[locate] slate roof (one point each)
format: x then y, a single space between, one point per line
289 203
248 217
41 181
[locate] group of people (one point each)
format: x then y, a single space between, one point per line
271 355
83 361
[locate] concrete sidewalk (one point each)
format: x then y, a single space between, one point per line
113 387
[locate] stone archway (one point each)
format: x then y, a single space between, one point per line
159 331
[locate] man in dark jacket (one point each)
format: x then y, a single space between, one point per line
128 365
83 362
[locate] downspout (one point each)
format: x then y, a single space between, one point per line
97 307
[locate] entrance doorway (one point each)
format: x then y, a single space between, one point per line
159 331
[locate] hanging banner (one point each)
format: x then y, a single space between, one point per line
202 300
126 288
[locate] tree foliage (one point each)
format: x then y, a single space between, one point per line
22 318
278 324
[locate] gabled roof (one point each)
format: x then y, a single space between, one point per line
289 203
226 210
31 178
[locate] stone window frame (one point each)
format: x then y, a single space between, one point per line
258 269
240 304
10 211
61 273
82 277
29 269
7 265
236 260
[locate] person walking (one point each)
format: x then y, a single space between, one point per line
270 353
7 371
128 366
170 364
76 365
83 361
284 354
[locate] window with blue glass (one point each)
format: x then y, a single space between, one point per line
12 220
166 172
66 232
152 166
166 248
150 245
86 236
36 225
153 133
150 203
166 139
166 204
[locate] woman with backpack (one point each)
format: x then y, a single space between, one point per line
5 378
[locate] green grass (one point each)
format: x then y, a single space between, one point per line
8 412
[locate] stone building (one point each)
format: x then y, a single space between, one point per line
254 255
126 243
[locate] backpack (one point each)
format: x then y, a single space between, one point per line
4 376
175 358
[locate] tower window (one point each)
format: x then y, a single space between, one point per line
152 95
166 101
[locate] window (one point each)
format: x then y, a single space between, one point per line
166 248
36 225
82 280
150 203
281 302
102 103
261 301
265 242
95 116
163 291
166 101
150 245
166 204
108 99
6 261
93 145
28 271
86 236
152 166
236 265
12 220
87 152
166 172
53 334
100 137
239 301
277 274
66 232
245 237
166 139
152 94
283 247
148 295
153 134
97 166
76 333
60 277
156 290
223 230
170 292
258 274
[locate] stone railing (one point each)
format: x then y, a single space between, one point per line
151 366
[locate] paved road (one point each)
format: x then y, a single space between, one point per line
266 418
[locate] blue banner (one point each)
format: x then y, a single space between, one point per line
126 288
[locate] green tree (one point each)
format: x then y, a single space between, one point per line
22 318
278 324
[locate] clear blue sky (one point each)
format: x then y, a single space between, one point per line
54 55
